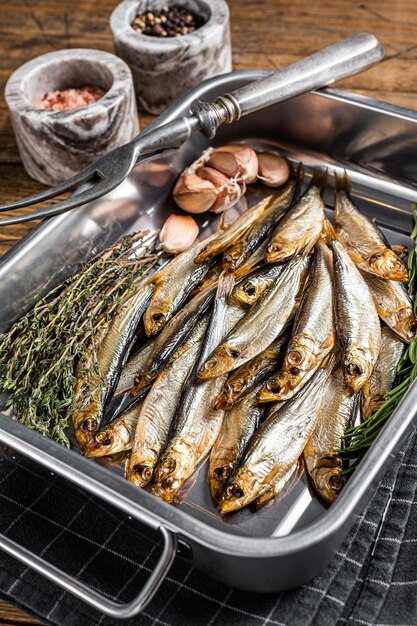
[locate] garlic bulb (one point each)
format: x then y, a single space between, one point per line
194 194
178 233
239 162
273 169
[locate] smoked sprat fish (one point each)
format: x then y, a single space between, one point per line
97 380
301 226
262 324
237 428
262 227
225 238
357 323
250 289
384 373
115 437
276 446
197 423
173 284
393 305
172 336
335 415
362 239
313 335
252 373
158 410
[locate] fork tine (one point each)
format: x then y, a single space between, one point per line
84 176
92 193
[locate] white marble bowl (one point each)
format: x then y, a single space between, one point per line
54 145
164 68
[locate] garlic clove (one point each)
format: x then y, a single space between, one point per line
214 176
238 162
194 194
178 233
273 170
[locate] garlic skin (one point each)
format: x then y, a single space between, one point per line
178 233
239 162
194 194
229 191
228 197
274 170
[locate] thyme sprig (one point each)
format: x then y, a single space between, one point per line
358 439
38 355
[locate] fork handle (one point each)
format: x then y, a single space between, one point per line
322 68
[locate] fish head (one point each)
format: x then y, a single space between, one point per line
222 360
140 467
299 360
205 253
327 479
232 258
155 319
279 250
249 291
357 365
101 443
243 487
110 440
176 465
406 324
218 477
86 425
386 264
230 392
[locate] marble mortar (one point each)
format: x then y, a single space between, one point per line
164 68
54 145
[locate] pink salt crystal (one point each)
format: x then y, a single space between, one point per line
68 99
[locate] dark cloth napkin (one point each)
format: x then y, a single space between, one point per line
371 580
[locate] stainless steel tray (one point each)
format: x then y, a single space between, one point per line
290 541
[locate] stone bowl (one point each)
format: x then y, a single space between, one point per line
164 68
54 145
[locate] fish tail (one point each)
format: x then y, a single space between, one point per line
328 231
226 284
298 175
342 183
319 179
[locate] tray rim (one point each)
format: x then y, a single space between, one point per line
156 513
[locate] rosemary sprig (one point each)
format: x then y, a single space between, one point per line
358 439
38 355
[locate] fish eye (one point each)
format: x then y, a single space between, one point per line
169 465
234 491
295 357
336 482
221 473
353 369
250 290
103 438
234 353
89 424
157 317
144 471
211 363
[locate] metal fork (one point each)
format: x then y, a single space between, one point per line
322 68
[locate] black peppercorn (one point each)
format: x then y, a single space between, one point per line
168 21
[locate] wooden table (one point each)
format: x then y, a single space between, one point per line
266 34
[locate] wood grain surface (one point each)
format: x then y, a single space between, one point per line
266 34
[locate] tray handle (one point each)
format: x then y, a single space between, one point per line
88 595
